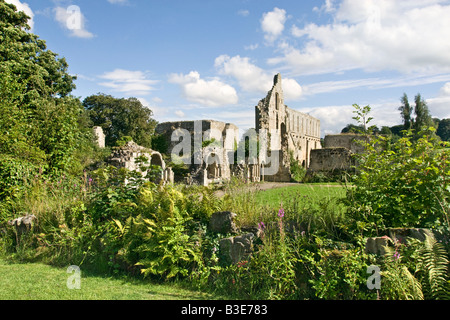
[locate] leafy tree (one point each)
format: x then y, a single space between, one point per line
26 56
362 116
397 130
352 128
443 130
406 112
423 117
386 130
121 117
40 121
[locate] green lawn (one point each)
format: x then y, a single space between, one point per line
35 281
313 193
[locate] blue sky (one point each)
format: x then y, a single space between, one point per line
211 59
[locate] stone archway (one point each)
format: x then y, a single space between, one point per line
212 168
157 160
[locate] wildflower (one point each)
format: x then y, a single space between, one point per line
303 233
281 212
396 255
261 226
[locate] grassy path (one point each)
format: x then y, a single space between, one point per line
35 281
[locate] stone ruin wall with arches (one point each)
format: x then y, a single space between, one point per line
290 132
209 146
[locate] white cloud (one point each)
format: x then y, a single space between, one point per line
26 9
158 112
211 93
272 23
334 118
129 82
252 47
374 83
249 76
72 19
180 114
291 89
405 36
445 90
243 13
440 106
252 78
327 7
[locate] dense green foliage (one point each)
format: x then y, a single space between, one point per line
25 56
443 130
115 221
402 184
121 117
42 127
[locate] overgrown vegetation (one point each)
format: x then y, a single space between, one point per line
116 222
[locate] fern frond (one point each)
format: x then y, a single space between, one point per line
434 262
415 287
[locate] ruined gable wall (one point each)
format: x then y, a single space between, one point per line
298 132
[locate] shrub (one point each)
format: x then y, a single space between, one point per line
415 271
298 172
401 184
341 275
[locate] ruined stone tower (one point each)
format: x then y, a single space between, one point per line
298 133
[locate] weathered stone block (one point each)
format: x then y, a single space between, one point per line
23 224
235 249
401 234
222 222
376 245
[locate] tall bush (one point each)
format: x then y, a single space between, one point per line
401 184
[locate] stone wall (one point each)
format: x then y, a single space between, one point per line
289 132
330 159
126 156
100 136
337 154
299 133
207 164
352 142
203 130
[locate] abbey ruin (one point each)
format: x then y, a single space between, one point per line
299 133
210 150
290 133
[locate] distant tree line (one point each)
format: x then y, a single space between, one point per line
413 117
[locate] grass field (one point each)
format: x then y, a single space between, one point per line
35 281
312 193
